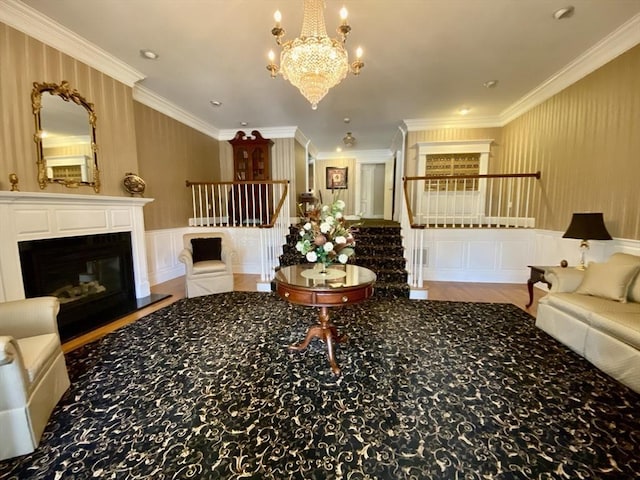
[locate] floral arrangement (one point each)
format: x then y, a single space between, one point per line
324 236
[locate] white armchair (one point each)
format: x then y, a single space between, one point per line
208 263
33 373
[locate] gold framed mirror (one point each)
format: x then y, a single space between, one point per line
65 136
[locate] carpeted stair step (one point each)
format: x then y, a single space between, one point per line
391 276
368 238
378 248
391 290
380 262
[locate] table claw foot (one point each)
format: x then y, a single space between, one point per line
332 359
313 332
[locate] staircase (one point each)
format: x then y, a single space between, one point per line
378 248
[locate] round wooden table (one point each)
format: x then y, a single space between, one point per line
294 284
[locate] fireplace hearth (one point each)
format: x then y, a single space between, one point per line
92 276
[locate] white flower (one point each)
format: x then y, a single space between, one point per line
328 247
340 240
342 258
307 226
340 204
338 215
325 227
300 246
301 233
311 256
325 208
330 220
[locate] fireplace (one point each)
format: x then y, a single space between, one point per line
64 217
92 276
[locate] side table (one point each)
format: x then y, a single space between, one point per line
536 275
354 286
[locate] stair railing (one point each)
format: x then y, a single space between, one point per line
462 201
245 204
471 201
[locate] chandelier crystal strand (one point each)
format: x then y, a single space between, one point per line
313 62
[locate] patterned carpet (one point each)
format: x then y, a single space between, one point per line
206 389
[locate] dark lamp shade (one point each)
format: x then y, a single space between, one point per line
587 226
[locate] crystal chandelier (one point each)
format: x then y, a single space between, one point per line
313 62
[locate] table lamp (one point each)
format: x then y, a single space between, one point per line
585 227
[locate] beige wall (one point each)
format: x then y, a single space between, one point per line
586 142
24 60
450 134
169 153
286 164
300 175
348 195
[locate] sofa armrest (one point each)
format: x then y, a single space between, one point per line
29 317
564 280
13 380
186 257
227 255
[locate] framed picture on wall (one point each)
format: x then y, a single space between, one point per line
336 178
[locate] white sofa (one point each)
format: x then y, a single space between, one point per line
596 313
33 373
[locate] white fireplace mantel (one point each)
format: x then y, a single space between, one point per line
40 215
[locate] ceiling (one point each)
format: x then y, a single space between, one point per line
424 59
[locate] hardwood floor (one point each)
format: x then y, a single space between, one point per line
455 291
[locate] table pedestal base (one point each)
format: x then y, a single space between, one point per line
326 331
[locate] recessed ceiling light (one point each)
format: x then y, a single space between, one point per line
338 149
464 111
148 54
565 12
490 83
216 103
244 124
347 119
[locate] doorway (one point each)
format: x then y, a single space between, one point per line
376 190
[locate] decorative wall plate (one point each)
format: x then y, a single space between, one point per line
134 184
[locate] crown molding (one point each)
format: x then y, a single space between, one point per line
31 22
371 156
619 41
418 124
610 47
266 132
152 100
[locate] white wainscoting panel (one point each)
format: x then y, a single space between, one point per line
463 255
478 255
482 255
551 248
164 246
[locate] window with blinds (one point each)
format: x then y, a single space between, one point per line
451 164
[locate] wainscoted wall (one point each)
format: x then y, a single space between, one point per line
586 142
493 256
164 246
479 255
25 60
169 153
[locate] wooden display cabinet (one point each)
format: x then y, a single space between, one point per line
250 204
251 156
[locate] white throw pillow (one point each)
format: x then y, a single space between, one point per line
633 295
608 280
